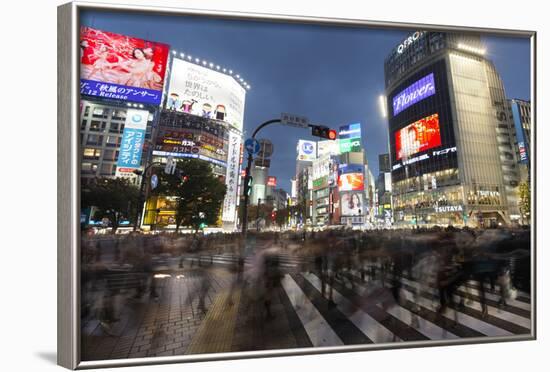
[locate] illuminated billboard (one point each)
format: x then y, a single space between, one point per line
351 182
307 150
178 142
121 67
329 147
350 138
419 136
133 138
272 181
352 204
416 92
207 93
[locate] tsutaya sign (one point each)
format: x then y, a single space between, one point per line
414 93
408 41
448 208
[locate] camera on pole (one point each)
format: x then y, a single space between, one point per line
323 132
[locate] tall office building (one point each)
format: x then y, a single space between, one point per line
451 133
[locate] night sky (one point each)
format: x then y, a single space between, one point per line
332 75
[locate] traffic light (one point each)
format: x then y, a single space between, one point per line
323 132
248 185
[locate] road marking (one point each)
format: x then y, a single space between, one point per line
367 324
318 330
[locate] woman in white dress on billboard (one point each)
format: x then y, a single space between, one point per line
140 71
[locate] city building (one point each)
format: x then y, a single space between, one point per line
451 151
102 124
201 126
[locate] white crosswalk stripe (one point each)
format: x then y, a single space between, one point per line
318 330
368 325
321 333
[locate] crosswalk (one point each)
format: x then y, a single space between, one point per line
361 312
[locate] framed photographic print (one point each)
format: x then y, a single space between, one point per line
236 185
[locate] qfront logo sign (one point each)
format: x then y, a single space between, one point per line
408 41
414 93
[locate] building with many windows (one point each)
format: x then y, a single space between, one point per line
101 129
452 155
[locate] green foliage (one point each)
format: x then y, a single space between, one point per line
114 198
199 193
525 200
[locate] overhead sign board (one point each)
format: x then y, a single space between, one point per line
294 120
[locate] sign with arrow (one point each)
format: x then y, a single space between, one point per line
252 146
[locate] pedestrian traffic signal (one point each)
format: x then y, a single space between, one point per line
248 185
323 132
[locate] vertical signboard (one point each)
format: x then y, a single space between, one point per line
231 178
523 154
132 139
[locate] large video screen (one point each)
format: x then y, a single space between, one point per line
121 67
351 182
419 136
205 92
416 92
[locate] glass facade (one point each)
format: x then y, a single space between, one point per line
470 176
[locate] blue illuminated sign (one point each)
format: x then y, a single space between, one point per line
130 148
350 131
414 93
523 153
308 148
120 92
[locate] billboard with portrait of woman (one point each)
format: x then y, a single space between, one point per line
120 67
352 204
419 136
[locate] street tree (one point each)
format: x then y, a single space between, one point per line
199 193
525 200
113 198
